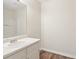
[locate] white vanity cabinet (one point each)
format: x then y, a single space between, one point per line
33 51
30 52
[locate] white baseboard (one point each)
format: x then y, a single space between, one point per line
64 54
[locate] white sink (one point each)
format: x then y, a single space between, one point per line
15 43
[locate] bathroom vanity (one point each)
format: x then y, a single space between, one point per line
25 48
16 46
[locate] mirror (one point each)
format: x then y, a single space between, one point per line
14 18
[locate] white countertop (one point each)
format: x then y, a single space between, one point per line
11 48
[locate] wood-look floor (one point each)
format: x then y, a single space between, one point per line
48 55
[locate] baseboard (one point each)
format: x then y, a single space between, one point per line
64 54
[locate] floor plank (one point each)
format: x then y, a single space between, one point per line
48 55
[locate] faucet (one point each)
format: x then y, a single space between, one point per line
13 40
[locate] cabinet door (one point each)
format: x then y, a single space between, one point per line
19 55
33 51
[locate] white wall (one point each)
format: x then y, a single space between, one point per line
58 26
9 22
33 18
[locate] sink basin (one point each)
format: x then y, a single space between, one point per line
16 44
